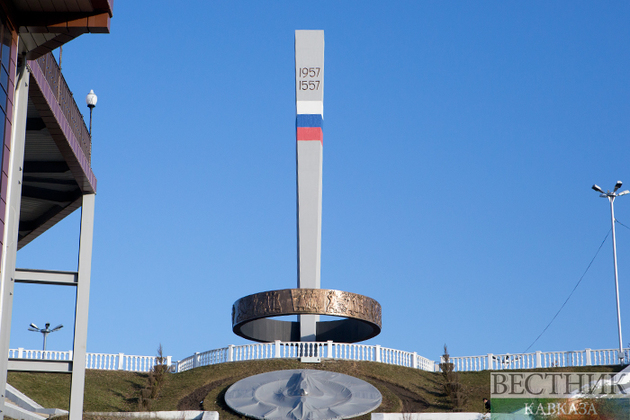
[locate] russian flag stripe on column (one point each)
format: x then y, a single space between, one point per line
309 127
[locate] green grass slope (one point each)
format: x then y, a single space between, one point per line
403 389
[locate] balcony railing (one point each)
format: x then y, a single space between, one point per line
65 99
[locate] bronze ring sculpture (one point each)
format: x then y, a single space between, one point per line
250 313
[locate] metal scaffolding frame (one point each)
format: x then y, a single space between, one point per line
9 275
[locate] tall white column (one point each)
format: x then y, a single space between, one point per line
82 304
12 221
309 95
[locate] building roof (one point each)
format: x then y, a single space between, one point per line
47 24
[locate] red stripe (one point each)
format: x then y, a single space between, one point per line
310 133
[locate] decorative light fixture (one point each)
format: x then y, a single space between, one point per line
45 331
611 198
91 100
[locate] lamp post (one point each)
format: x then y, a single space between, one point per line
45 331
611 198
91 99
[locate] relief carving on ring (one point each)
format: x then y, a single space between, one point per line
306 301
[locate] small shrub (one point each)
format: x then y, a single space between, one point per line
155 381
453 388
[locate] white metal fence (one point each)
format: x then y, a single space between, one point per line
99 361
343 351
541 359
39 354
329 349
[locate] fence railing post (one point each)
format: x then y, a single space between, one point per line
329 349
490 361
276 349
231 353
121 364
588 357
20 352
377 349
196 359
538 359
414 361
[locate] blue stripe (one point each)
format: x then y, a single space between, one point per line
309 120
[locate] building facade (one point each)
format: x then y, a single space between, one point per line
46 155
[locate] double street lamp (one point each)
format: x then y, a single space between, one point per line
611 198
45 331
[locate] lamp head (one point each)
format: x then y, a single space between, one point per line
34 326
91 99
596 188
617 186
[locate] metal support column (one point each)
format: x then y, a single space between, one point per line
82 304
12 221
614 244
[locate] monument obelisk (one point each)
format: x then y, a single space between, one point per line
255 317
309 104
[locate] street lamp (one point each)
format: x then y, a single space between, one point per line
91 99
611 198
45 331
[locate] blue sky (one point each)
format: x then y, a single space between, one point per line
461 140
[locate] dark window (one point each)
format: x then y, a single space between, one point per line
6 40
5 53
4 78
3 120
3 100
